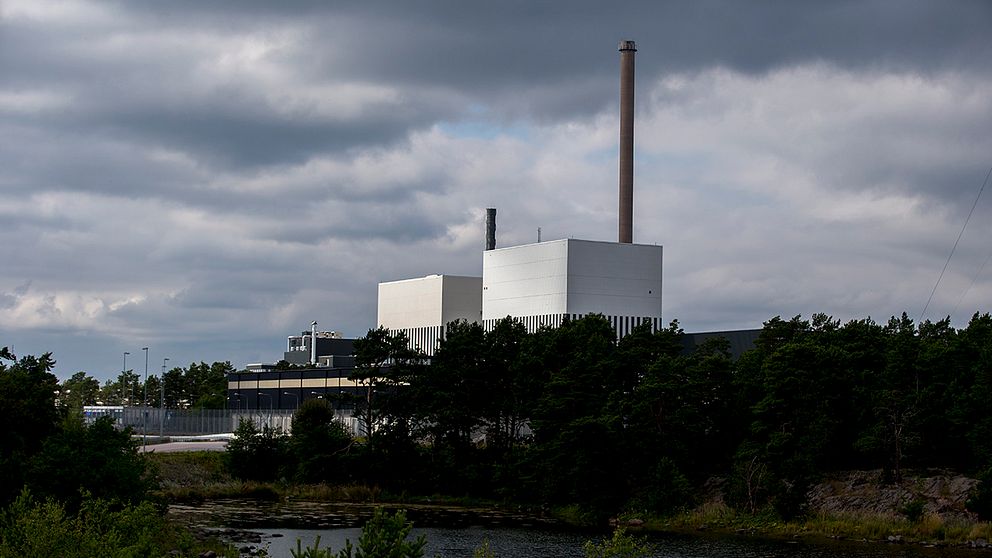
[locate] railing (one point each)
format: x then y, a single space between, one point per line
199 422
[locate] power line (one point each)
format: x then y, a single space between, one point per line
955 247
973 281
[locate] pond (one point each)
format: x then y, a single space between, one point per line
457 532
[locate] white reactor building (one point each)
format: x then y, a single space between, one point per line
546 283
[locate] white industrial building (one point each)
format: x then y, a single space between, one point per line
542 284
546 283
422 307
539 284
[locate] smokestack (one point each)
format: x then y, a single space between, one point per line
313 343
627 50
491 228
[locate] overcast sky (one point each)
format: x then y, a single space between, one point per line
206 178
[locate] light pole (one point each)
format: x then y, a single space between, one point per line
296 399
144 407
124 378
161 402
260 394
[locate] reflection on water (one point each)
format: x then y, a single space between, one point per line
457 532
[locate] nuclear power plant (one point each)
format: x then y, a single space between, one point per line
545 283
541 285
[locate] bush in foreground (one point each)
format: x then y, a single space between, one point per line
32 528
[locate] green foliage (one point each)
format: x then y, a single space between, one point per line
620 545
199 385
32 528
980 499
384 536
319 443
312 551
913 510
79 390
667 491
382 362
97 458
483 550
255 454
28 413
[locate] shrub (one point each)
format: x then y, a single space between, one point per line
255 454
980 499
667 490
98 459
30 528
913 510
384 536
319 443
620 545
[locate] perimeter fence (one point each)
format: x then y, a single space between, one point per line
202 422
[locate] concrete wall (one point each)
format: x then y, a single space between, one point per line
461 299
525 280
429 301
410 302
572 277
614 279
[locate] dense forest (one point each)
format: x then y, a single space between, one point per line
573 417
567 418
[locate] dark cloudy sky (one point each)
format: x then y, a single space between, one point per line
206 178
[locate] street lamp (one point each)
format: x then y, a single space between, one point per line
258 394
161 401
144 407
296 398
124 378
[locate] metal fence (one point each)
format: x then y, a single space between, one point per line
201 422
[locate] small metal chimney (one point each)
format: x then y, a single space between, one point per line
627 50
491 228
313 343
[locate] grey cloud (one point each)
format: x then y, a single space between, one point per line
190 195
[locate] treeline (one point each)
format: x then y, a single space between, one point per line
573 417
69 488
199 385
51 452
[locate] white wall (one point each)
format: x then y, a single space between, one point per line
429 301
525 280
461 299
614 279
572 277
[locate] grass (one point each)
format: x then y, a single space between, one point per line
930 529
198 476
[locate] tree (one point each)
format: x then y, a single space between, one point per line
79 390
383 361
176 390
578 422
124 390
28 412
319 443
98 459
255 454
512 385
894 398
153 387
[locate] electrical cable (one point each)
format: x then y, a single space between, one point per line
955 247
973 281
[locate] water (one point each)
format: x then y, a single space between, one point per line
454 533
